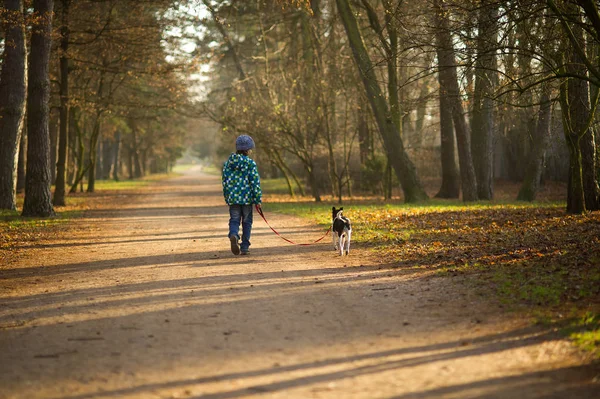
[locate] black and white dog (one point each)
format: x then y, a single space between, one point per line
341 231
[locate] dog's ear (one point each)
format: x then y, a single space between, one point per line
333 208
342 208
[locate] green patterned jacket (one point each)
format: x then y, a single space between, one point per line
241 182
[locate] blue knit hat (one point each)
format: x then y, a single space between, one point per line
244 143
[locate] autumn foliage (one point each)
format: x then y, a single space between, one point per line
518 253
548 257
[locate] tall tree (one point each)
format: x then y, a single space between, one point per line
450 187
37 186
449 84
578 119
63 145
533 175
389 131
21 167
577 111
13 88
482 126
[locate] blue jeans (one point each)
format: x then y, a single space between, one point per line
241 214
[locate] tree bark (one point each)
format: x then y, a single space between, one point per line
135 152
533 175
450 187
421 112
22 162
482 130
38 200
449 83
72 151
130 162
53 129
108 148
63 140
364 135
93 153
290 172
13 89
100 148
116 156
578 117
313 183
390 132
81 169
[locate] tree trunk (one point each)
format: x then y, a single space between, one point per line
100 148
523 121
136 164
288 181
38 200
22 162
108 148
449 84
278 165
13 88
72 150
283 165
93 152
387 181
364 140
116 156
314 185
63 141
421 112
390 132
130 162
482 129
53 129
575 196
396 111
578 117
81 168
450 187
533 175
138 170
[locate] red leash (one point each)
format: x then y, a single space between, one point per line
260 212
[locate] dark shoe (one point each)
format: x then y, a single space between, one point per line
245 252
235 248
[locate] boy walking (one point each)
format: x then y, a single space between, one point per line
241 189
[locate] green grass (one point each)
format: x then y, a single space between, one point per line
14 220
585 332
177 169
275 186
131 184
319 213
101 185
211 170
15 228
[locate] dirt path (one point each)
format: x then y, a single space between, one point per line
150 303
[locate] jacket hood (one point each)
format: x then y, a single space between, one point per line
238 161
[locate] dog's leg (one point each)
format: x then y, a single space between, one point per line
348 242
342 243
333 238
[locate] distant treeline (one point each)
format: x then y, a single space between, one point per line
339 95
346 94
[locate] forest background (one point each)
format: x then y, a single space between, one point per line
344 98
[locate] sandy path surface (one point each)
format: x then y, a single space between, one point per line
146 301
